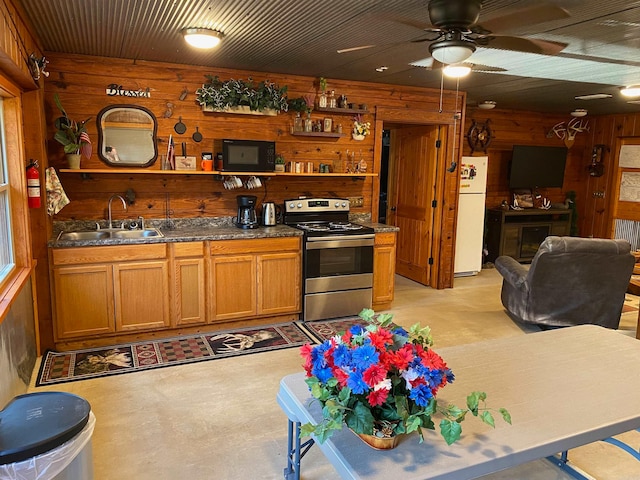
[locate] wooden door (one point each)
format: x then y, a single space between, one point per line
279 282
83 297
233 283
414 155
141 295
188 284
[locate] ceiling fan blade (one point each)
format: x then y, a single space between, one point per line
522 17
354 49
521 44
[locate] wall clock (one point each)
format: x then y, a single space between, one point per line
479 136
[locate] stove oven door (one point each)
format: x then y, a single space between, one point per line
338 276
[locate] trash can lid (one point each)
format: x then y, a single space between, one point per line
36 423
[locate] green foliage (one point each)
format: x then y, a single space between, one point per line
222 95
68 131
298 105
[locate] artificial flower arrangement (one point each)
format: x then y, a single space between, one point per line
382 380
360 127
223 95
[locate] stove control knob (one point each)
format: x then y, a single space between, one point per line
344 204
299 205
292 205
337 204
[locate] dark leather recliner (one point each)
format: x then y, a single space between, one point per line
571 281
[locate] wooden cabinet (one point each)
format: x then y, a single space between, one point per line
111 289
519 233
257 277
384 270
188 287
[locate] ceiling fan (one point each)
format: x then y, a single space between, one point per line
458 32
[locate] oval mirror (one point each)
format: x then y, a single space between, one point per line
127 136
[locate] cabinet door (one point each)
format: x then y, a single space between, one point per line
188 291
384 270
510 241
233 283
279 280
141 295
83 300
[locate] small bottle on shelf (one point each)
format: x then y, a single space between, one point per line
298 123
308 123
332 99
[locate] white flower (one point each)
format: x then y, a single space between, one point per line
383 385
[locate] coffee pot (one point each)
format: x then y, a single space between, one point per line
270 213
247 217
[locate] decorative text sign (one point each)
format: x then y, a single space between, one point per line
115 90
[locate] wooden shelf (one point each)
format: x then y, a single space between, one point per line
140 171
342 110
318 134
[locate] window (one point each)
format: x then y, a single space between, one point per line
7 260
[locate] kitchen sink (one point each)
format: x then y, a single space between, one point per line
90 235
105 234
147 232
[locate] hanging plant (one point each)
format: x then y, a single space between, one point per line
221 95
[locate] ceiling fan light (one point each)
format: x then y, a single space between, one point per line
204 38
456 70
631 91
451 51
487 105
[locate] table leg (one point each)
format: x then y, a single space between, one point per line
562 462
295 451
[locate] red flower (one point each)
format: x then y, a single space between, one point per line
341 376
403 357
377 397
381 338
305 351
374 375
432 360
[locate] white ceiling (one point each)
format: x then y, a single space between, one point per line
302 37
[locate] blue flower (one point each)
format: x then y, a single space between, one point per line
356 383
356 330
421 395
363 357
323 373
341 356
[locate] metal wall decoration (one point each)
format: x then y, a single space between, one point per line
596 168
115 90
479 136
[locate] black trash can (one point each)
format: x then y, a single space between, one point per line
46 436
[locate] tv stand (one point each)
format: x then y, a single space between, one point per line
519 233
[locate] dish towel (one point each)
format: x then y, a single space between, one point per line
56 198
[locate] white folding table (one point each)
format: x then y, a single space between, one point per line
564 388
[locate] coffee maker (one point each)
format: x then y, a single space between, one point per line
247 217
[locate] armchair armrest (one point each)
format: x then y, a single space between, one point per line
513 272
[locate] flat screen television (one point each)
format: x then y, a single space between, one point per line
537 167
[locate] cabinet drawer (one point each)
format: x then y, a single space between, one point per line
110 253
188 249
385 239
258 245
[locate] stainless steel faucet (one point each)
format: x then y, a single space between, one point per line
124 204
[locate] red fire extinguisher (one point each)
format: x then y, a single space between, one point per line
33 184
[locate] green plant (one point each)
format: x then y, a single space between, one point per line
279 160
222 95
323 84
382 380
71 134
298 105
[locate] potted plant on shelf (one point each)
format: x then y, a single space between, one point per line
240 96
279 163
322 98
360 128
381 381
72 135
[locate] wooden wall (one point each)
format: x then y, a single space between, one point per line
594 200
81 83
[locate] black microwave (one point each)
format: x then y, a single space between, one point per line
248 155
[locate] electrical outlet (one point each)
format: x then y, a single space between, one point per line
356 201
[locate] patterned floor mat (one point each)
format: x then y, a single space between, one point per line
325 329
134 357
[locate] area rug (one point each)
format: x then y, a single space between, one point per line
60 367
324 329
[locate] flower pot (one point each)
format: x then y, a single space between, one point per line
73 159
279 167
380 443
355 136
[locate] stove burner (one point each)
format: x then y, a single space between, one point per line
344 226
314 227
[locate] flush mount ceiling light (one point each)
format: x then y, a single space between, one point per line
382 68
487 105
456 70
631 91
579 112
202 37
453 49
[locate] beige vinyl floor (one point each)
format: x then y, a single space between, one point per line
220 420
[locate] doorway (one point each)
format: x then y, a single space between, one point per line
408 194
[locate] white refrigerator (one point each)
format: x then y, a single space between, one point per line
471 210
